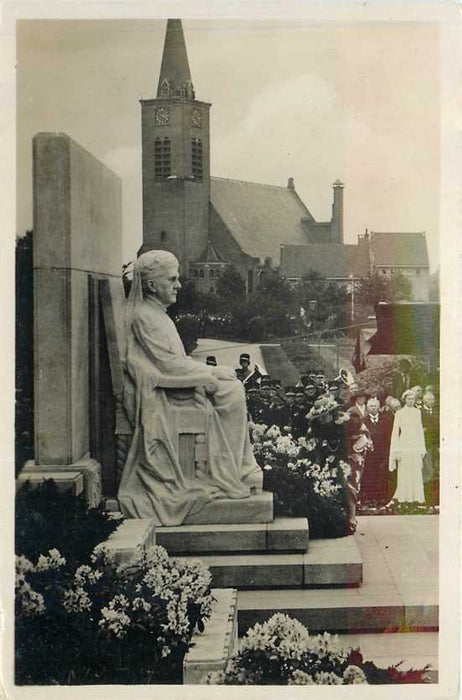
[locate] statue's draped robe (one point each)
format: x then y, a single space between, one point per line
152 484
407 449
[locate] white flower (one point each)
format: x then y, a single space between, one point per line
31 602
353 675
324 678
76 600
300 678
114 621
23 565
102 555
85 575
141 604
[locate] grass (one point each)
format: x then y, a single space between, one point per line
278 364
305 359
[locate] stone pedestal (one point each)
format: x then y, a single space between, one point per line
88 469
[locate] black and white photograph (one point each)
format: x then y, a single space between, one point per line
235 354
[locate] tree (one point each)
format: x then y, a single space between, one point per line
325 303
377 288
231 287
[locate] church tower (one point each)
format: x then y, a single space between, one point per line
175 132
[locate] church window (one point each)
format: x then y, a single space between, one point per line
201 272
162 153
195 273
196 158
165 88
163 236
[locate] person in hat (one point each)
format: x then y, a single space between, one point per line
211 360
358 408
403 379
243 370
299 422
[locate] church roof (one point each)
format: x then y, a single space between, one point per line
175 65
211 254
332 260
398 249
260 217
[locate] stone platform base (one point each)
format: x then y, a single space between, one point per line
212 648
326 563
287 534
87 467
257 508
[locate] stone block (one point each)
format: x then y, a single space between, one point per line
130 538
336 561
258 508
65 481
212 538
77 208
288 534
212 648
255 571
89 468
77 234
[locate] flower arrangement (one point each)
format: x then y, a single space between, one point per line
282 652
100 623
306 477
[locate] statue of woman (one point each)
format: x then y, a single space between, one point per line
153 484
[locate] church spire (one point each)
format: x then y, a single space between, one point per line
175 76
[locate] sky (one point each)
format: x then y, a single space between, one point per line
312 101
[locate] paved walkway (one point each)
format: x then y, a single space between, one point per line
399 592
227 352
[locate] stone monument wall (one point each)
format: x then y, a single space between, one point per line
77 241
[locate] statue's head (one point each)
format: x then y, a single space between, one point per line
159 275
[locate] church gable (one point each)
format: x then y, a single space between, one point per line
260 217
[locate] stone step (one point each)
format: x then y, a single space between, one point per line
283 534
257 508
131 538
326 563
335 610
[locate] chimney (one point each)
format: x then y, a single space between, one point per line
290 184
337 212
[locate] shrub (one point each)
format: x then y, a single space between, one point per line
305 483
99 623
282 652
45 519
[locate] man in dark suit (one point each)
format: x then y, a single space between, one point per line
374 483
431 426
403 379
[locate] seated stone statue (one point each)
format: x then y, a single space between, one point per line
153 484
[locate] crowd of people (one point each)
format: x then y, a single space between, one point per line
391 440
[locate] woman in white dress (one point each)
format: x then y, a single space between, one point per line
407 450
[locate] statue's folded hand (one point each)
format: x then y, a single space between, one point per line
212 386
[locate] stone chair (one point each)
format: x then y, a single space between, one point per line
191 439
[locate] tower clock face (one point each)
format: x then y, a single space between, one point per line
162 116
196 118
